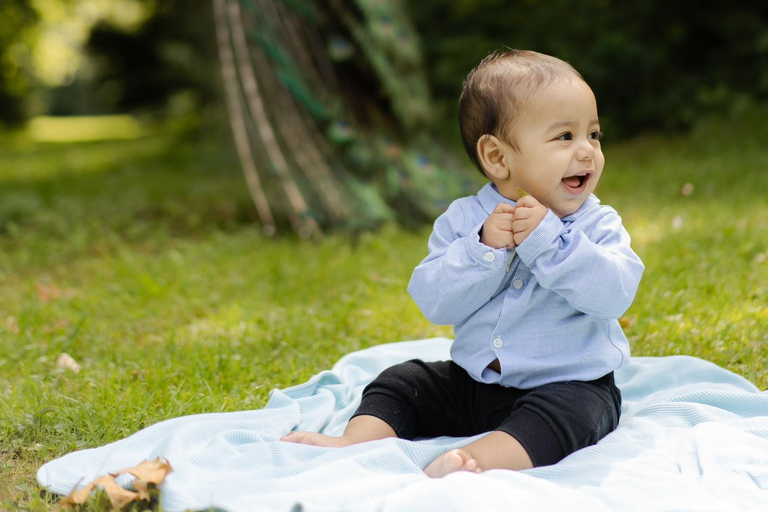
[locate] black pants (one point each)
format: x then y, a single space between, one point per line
419 399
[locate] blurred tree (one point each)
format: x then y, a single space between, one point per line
331 113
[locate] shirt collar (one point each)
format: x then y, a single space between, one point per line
489 197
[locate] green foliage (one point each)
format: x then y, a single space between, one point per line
17 20
174 52
139 260
75 57
653 64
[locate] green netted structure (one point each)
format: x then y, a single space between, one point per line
330 110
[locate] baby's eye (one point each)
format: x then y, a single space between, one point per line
597 135
565 136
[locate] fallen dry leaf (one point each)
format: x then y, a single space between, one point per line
118 496
148 472
151 471
67 362
141 488
77 497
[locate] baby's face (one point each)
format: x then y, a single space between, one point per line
559 160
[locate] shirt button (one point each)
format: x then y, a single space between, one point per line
517 283
489 257
498 342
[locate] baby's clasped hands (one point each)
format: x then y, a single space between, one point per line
528 215
508 226
497 229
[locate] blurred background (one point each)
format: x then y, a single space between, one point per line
653 64
360 95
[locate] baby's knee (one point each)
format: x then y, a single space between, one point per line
400 379
556 420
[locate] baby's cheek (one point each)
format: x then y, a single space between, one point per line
599 160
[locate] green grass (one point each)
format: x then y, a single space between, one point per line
139 259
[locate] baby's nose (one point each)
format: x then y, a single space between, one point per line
585 151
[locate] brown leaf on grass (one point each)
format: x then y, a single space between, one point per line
117 496
77 497
150 471
141 488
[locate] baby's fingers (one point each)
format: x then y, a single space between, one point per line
523 225
503 221
527 202
504 208
523 213
519 225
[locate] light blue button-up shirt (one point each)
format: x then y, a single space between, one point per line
554 316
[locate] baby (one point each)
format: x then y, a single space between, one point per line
532 272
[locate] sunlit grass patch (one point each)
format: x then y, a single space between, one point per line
83 128
58 162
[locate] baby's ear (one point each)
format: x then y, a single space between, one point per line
491 155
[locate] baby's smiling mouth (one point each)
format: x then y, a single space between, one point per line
576 183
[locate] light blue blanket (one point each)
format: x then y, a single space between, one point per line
692 437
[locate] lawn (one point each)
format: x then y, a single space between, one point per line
139 259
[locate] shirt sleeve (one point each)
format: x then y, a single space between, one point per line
597 274
460 274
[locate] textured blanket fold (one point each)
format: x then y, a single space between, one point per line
692 437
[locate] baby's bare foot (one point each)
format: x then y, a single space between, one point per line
315 439
454 460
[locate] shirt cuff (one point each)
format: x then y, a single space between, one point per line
484 255
548 230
